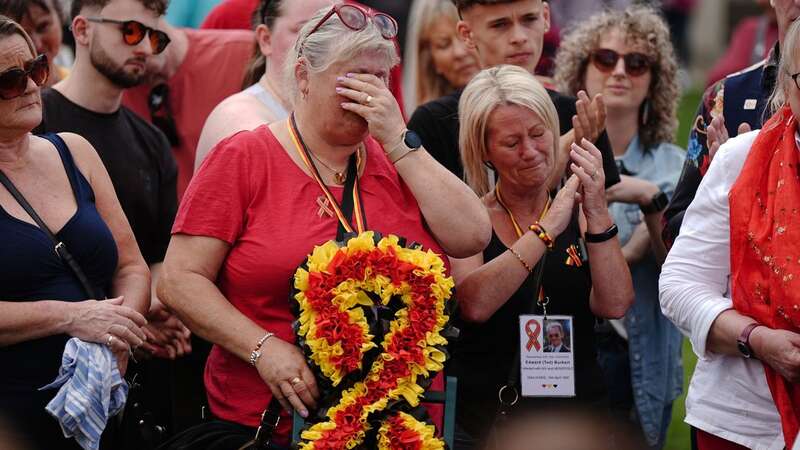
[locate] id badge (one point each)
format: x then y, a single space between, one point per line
547 361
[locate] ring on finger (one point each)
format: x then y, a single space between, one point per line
109 340
594 174
294 381
368 100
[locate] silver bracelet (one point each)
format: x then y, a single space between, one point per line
256 353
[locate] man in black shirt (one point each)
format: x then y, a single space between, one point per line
136 154
508 32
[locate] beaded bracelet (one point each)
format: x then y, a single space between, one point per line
539 230
519 257
256 353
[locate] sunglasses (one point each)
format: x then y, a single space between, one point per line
794 77
161 113
355 18
14 82
134 32
605 60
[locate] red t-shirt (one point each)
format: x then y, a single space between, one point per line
212 71
250 194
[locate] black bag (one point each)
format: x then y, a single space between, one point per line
224 435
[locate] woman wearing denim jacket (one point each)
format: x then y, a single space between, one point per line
627 57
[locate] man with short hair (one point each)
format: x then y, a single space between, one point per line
509 32
114 40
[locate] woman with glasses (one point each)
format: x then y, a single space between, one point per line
730 280
510 125
264 98
627 57
264 198
43 301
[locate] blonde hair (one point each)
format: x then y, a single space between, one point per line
639 24
334 42
789 48
497 86
421 82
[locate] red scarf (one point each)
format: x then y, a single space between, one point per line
765 246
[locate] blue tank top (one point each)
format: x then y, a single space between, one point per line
30 270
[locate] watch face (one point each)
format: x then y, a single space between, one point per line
412 140
743 349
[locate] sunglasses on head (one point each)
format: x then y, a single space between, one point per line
134 32
14 82
355 18
605 60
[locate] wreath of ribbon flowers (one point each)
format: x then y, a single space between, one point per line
346 296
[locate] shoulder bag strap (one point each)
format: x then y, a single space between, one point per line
58 246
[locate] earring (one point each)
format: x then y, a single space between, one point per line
646 112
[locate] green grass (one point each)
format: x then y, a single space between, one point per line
678 433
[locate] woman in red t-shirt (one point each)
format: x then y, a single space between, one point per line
257 207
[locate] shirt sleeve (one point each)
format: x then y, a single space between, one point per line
424 123
215 203
695 277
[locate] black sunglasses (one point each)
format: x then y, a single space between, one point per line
14 82
134 32
161 113
794 77
605 60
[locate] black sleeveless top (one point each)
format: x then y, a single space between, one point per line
484 354
30 270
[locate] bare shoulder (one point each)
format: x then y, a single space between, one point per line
84 154
236 113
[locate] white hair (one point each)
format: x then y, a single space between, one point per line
334 42
555 325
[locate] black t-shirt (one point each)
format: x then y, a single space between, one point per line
436 122
484 354
138 159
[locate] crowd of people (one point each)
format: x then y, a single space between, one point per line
161 184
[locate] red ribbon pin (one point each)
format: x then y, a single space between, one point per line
533 334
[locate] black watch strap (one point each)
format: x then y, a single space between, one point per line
658 203
596 238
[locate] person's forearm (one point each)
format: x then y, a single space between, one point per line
654 229
207 313
612 287
636 247
25 321
724 331
133 282
452 211
483 291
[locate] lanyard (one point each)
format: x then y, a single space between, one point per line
351 198
543 301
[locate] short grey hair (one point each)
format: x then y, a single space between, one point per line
334 42
790 48
555 325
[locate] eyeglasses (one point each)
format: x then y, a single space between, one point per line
794 77
14 82
134 32
355 18
605 60
161 113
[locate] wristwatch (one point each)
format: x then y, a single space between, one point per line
658 203
743 341
596 238
411 142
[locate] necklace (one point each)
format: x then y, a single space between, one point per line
339 177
